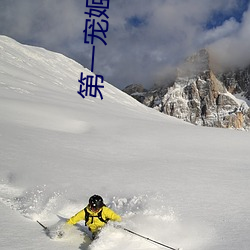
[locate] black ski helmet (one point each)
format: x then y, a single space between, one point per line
96 202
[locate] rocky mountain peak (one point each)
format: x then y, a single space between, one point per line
196 64
202 97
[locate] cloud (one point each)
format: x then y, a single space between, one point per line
228 28
56 25
145 40
233 49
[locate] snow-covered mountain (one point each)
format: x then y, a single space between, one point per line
182 185
202 96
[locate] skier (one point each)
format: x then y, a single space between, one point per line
95 214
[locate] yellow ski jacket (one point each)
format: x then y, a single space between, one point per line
94 223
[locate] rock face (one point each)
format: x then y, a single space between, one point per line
237 81
201 97
137 91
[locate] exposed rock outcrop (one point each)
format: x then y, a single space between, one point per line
201 97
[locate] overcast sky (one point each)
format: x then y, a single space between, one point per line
145 39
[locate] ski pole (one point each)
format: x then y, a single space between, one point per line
146 238
45 228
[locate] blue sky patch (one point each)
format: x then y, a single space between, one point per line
219 17
136 21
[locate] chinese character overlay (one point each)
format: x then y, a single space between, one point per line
104 4
94 29
91 86
91 30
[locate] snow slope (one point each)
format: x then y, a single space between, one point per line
173 182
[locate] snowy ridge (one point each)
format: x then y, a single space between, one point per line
179 184
38 71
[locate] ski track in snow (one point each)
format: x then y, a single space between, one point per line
145 214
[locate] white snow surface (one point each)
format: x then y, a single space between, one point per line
182 185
